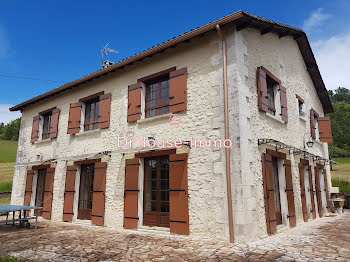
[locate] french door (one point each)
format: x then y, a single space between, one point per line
40 185
276 189
156 192
85 191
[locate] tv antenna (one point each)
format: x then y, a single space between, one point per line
104 52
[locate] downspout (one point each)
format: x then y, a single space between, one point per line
227 134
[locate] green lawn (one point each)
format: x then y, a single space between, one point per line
6 175
341 171
341 174
8 151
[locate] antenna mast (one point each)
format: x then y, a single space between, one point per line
104 51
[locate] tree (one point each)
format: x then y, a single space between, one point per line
339 95
10 131
340 121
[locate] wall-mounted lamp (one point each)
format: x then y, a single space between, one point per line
309 142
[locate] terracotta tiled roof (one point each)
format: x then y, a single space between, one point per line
241 19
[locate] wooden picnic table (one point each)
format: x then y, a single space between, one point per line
6 209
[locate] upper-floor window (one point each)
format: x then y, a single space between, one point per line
317 133
157 97
91 114
314 124
45 125
272 95
158 94
300 106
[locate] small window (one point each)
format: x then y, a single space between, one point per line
157 97
91 114
300 106
46 125
272 88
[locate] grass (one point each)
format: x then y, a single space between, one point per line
5 201
341 171
6 171
344 185
8 150
9 259
6 176
5 186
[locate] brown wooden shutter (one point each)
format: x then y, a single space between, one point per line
35 129
312 124
326 190
28 189
283 99
324 127
48 193
54 123
312 193
290 193
178 194
69 194
131 193
302 192
74 118
99 192
134 102
105 111
269 196
262 90
178 90
318 192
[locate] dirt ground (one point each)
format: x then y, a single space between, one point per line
324 239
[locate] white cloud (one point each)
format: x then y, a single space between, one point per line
333 58
7 116
315 20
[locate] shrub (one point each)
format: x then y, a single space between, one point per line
337 152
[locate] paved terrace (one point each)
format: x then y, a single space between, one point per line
325 239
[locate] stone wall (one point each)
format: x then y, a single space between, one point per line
246 50
282 57
203 119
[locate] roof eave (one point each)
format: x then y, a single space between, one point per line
241 19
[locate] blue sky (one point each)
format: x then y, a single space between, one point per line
61 40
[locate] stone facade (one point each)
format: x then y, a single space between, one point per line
247 49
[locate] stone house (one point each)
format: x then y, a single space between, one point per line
240 103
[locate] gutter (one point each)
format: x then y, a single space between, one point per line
227 134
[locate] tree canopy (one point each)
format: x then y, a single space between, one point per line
10 131
340 122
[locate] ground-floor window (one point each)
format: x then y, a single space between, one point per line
156 191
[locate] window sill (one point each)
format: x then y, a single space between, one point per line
90 132
275 118
150 119
303 118
44 141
